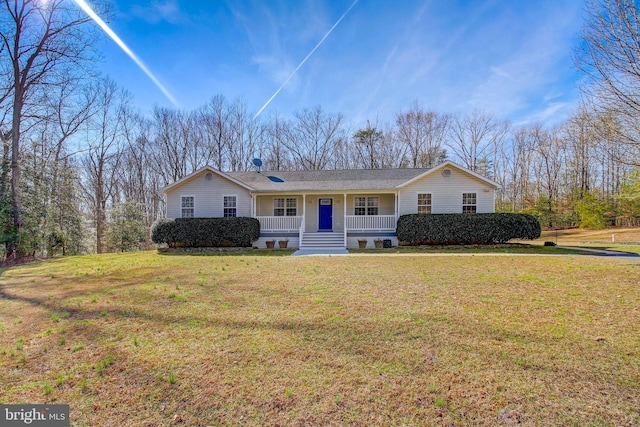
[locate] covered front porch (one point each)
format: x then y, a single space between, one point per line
319 219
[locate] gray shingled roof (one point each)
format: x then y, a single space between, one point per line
329 180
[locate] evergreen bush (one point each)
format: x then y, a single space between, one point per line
448 229
199 232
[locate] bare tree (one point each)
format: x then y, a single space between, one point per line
517 158
42 44
615 162
367 146
274 136
343 156
423 133
104 153
313 138
550 148
200 151
214 124
394 153
170 148
476 139
377 148
138 181
582 152
69 108
244 135
609 55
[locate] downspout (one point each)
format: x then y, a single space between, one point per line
495 190
397 207
253 211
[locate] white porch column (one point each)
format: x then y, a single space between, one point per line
344 219
253 206
304 207
303 223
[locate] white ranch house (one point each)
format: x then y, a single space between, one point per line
330 208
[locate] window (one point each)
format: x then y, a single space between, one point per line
360 204
187 206
285 207
230 208
366 205
424 203
292 207
469 202
372 206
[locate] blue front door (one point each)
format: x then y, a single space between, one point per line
325 214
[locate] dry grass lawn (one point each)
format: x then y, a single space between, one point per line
618 239
581 235
151 340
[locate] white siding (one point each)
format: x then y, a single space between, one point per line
312 211
446 193
264 204
208 196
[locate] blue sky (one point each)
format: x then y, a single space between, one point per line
509 57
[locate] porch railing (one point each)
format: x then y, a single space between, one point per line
371 222
280 223
353 222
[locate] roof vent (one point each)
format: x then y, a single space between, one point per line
208 176
446 172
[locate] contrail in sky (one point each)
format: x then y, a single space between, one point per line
84 6
305 59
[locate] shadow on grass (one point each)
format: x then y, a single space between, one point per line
224 252
96 326
365 339
507 248
88 360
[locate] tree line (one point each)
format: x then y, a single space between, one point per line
82 170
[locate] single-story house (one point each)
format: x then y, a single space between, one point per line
316 209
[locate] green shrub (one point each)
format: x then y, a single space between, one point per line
594 213
193 232
127 230
450 229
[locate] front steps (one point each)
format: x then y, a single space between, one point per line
322 241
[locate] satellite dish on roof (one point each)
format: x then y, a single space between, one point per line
257 163
275 178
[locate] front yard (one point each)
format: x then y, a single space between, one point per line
148 339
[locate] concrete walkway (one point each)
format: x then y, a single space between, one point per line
600 252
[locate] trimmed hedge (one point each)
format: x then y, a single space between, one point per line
451 229
212 232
